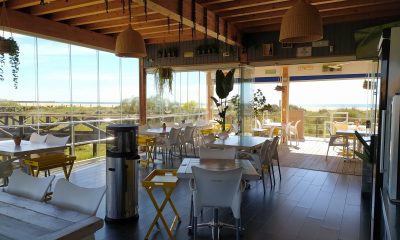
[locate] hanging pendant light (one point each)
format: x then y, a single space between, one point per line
130 43
301 23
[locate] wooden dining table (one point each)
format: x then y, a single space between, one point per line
22 218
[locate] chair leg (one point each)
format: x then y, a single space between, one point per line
273 172
215 228
326 158
237 226
279 167
194 227
194 150
262 179
270 178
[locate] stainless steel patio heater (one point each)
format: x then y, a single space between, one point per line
122 173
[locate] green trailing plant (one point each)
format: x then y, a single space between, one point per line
260 104
9 46
223 86
164 77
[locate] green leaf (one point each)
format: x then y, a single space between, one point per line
215 101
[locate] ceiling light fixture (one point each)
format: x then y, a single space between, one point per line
130 43
301 23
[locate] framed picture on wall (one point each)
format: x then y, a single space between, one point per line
268 49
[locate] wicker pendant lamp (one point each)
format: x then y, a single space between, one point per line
301 23
130 43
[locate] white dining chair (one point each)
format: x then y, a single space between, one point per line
70 196
51 139
293 131
224 154
6 169
217 189
36 138
188 138
24 185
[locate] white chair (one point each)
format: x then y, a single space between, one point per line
188 138
262 159
206 139
286 132
217 189
209 153
293 131
6 169
171 143
24 185
51 139
70 196
271 132
274 152
257 123
36 138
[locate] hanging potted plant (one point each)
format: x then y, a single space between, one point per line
9 46
164 77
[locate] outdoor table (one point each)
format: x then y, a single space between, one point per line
351 133
259 131
158 131
166 179
9 149
23 218
239 142
273 124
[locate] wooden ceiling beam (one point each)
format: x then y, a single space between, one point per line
45 28
60 6
325 14
18 4
153 18
186 34
331 20
138 27
166 38
112 16
170 8
95 9
321 8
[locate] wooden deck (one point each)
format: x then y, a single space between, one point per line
310 154
305 204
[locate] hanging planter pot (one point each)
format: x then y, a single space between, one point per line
5 45
9 46
164 77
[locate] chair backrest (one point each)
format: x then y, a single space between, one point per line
70 196
174 135
206 139
287 128
274 147
258 123
51 139
188 134
271 132
216 188
297 123
208 153
6 168
36 138
265 153
24 185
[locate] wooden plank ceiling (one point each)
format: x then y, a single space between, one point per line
233 17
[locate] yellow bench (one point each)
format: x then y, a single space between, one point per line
50 161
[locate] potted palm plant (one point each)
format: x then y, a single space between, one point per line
223 86
9 46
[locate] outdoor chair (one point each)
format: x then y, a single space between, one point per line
286 132
262 160
170 144
36 138
23 185
338 141
46 162
223 154
217 189
274 152
293 131
188 138
66 196
6 169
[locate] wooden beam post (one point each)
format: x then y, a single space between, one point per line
210 93
285 98
142 92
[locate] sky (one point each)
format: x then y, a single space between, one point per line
53 79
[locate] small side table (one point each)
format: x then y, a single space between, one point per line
166 179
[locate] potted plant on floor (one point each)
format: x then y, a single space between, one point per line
223 86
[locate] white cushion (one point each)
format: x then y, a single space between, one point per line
36 138
51 139
24 185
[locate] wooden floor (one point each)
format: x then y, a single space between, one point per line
310 154
306 204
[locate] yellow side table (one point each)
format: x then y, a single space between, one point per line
166 179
